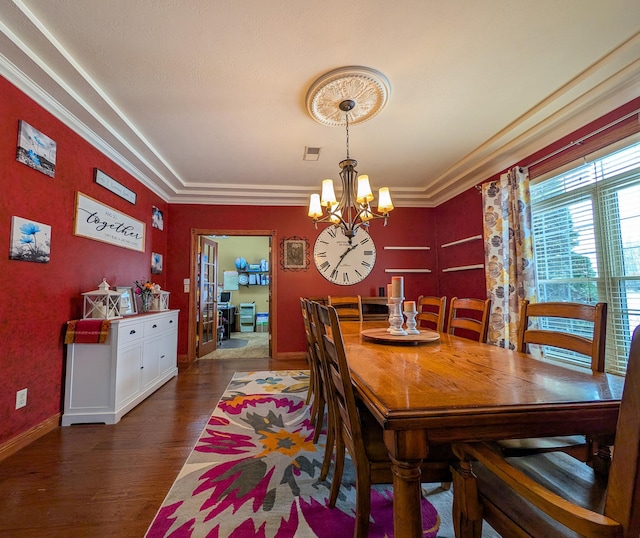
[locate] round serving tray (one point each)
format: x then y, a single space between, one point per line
382 335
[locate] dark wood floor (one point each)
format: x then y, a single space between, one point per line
95 480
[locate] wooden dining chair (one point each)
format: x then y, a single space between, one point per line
358 431
592 323
323 392
591 342
348 308
314 394
475 328
553 494
431 312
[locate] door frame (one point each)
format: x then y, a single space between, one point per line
273 311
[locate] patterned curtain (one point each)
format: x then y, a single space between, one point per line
508 250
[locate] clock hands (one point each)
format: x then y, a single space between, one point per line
344 254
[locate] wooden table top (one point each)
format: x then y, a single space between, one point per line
492 392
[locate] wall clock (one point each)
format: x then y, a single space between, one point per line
343 262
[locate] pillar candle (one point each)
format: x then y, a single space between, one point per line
389 290
397 286
409 306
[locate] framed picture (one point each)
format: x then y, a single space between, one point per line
30 241
156 263
36 149
294 253
100 222
114 186
157 218
127 300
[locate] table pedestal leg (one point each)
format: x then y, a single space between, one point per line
407 513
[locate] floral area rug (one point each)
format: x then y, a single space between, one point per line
254 472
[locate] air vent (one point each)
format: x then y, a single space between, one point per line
311 154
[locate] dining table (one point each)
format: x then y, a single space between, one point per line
441 388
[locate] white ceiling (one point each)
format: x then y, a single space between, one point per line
204 101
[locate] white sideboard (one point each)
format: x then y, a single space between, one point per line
105 381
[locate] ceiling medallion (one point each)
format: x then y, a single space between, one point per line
367 88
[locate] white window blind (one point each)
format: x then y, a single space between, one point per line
586 233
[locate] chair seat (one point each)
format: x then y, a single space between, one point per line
558 472
568 443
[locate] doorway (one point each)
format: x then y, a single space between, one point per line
246 315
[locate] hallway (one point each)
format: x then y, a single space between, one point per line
242 345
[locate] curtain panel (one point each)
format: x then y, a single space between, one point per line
510 273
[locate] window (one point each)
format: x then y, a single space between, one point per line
586 233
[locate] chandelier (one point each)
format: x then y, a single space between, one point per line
354 207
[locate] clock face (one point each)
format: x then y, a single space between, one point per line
342 262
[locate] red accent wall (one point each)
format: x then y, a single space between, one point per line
461 218
406 227
36 300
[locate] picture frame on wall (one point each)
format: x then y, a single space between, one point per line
156 263
157 218
128 305
294 253
114 186
36 149
30 241
100 222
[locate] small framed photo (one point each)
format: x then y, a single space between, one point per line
294 253
36 149
127 301
114 186
157 218
156 263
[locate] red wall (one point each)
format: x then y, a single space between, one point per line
460 218
406 227
36 300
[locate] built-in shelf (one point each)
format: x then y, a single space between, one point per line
460 241
407 248
407 270
463 268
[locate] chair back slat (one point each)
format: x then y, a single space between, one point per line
431 310
347 307
593 347
478 325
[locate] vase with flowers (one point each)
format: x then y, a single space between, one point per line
145 290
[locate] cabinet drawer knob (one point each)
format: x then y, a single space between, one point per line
154 326
132 331
170 321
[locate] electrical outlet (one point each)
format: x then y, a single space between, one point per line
21 398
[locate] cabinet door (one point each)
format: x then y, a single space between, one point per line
150 362
168 351
128 375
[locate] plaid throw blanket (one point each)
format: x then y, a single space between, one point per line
87 331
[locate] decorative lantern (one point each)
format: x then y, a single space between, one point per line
102 303
160 301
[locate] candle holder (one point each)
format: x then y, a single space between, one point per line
396 319
411 322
